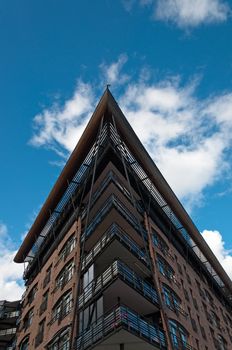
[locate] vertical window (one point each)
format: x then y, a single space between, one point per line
25 344
179 335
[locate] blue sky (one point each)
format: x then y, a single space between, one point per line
169 64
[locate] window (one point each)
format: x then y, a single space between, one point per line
172 300
60 342
24 344
44 303
67 248
32 294
40 334
179 335
159 242
214 319
62 308
222 345
91 314
65 275
47 277
28 318
165 269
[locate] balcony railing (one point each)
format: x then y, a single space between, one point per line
118 270
10 314
8 331
114 202
124 318
115 231
111 177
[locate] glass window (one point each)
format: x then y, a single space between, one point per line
164 268
60 342
179 335
25 344
63 307
65 275
171 299
67 248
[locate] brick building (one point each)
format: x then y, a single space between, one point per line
114 260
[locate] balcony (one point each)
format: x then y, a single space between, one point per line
119 281
114 203
7 334
116 243
122 326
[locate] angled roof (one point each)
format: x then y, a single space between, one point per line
108 104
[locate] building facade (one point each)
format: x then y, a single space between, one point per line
9 316
114 260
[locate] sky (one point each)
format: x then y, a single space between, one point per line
169 64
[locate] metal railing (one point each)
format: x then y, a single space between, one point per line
113 202
10 314
118 270
112 232
7 331
64 204
121 317
158 198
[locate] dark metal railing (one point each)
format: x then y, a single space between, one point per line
65 201
114 231
118 270
7 331
121 317
113 202
158 198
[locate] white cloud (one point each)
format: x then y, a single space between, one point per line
191 13
63 125
11 285
112 73
187 137
217 245
185 13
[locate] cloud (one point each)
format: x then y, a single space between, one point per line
112 73
216 243
187 137
185 13
11 284
191 13
63 125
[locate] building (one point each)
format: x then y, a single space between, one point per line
9 316
114 260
